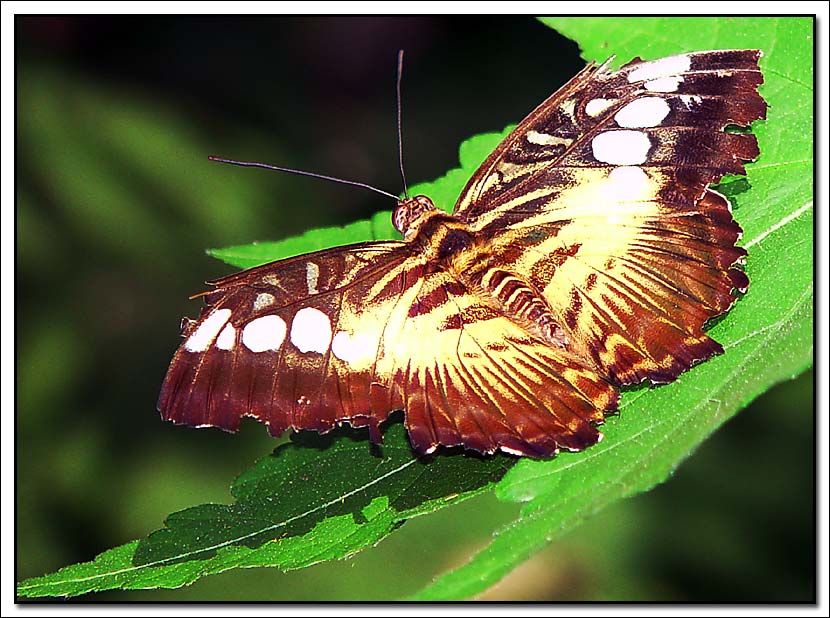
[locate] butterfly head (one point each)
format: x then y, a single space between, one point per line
408 214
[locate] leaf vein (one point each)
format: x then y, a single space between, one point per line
236 539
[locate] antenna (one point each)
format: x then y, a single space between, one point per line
302 173
332 178
400 139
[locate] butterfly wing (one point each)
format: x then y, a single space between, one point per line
290 343
350 334
600 197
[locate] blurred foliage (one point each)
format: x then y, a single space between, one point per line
116 203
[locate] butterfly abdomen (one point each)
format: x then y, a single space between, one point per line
519 301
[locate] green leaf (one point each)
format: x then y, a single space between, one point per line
768 335
318 498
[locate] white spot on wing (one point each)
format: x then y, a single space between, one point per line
665 67
621 147
357 350
312 273
643 112
204 335
263 300
545 139
595 107
628 184
265 333
227 338
690 99
664 84
311 330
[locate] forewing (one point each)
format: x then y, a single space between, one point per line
292 343
600 198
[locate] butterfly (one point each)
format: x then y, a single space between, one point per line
585 254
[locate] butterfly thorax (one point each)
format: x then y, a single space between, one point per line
448 244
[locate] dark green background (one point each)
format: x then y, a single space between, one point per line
116 203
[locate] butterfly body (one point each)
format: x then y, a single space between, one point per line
448 244
586 253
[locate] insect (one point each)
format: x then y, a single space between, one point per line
586 253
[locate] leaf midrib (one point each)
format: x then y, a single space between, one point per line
238 539
780 223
